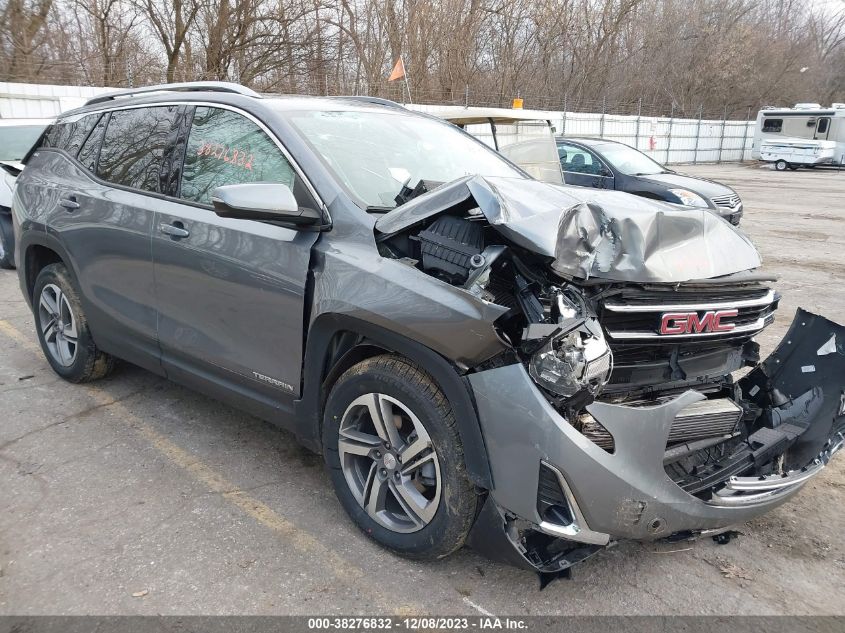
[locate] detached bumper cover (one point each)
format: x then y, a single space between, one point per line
800 390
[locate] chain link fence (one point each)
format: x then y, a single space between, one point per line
668 140
667 133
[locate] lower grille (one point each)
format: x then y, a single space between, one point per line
706 418
703 419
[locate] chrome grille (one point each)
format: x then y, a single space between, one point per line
728 201
637 320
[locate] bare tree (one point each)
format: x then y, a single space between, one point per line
668 55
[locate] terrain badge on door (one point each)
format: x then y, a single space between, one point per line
273 381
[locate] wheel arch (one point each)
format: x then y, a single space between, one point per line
36 252
337 342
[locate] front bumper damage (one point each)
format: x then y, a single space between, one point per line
798 392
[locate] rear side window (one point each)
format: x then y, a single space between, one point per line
133 146
226 148
821 128
70 134
772 125
91 148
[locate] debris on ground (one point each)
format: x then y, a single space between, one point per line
729 569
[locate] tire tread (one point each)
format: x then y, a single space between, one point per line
393 367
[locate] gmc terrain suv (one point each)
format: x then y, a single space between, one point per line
480 357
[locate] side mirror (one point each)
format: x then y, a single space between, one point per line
261 201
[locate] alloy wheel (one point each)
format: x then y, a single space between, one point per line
58 325
389 463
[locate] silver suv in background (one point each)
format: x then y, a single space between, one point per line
534 369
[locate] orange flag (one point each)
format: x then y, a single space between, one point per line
398 70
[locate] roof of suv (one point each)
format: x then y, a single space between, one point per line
224 92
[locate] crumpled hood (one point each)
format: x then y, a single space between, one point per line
606 234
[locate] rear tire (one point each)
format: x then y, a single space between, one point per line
63 329
793 167
396 461
7 242
781 165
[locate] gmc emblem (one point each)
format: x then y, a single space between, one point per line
675 323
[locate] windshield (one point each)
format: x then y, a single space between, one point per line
375 153
16 141
629 161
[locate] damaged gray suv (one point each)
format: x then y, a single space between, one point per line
536 370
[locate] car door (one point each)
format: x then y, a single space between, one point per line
582 167
104 219
231 293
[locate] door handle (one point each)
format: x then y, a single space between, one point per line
176 230
69 203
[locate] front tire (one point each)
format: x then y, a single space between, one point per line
781 165
395 457
7 242
63 329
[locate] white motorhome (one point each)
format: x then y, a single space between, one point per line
807 134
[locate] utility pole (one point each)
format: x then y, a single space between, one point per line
722 135
669 138
745 135
697 134
603 110
639 116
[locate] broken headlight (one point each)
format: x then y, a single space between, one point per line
576 360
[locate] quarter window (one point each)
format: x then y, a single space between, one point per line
772 125
226 148
89 150
134 144
70 134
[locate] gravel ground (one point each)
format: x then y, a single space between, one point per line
136 496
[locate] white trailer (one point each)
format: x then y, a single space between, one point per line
792 153
804 132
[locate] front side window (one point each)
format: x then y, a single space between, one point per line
578 160
374 153
630 161
226 148
772 125
133 146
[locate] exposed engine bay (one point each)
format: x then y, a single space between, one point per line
611 306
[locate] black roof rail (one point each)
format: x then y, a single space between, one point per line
374 100
188 86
